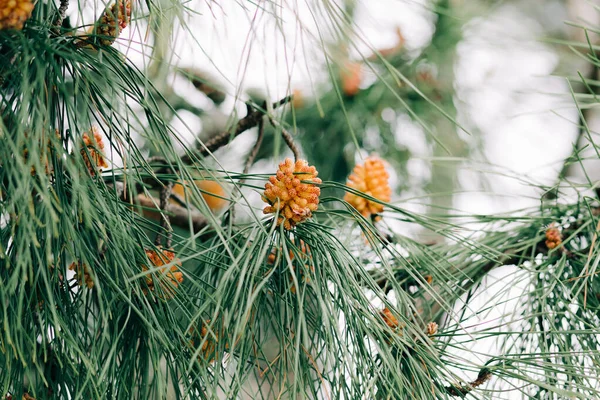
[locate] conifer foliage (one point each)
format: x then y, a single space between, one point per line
133 265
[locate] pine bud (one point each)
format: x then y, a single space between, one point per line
94 147
553 237
14 13
371 179
171 274
292 193
112 22
389 318
432 328
209 341
83 274
351 75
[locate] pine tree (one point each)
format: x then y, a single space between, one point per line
133 265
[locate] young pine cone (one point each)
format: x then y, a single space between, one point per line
432 328
553 237
210 341
14 13
292 193
169 277
112 22
94 147
389 318
351 76
371 178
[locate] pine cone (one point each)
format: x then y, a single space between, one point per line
292 193
371 179
209 341
213 193
95 148
14 13
389 318
297 99
553 237
432 328
351 75
172 274
112 22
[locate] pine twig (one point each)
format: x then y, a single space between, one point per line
178 216
287 137
165 194
249 161
251 120
254 151
461 391
62 10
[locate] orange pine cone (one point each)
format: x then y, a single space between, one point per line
351 76
553 237
389 318
14 13
292 193
212 192
172 275
209 341
95 148
297 99
432 328
372 180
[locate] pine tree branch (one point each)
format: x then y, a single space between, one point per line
179 216
461 391
165 194
511 256
254 151
62 9
251 120
287 137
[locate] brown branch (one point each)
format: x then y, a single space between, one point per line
62 9
165 194
251 120
179 216
287 137
460 391
254 151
